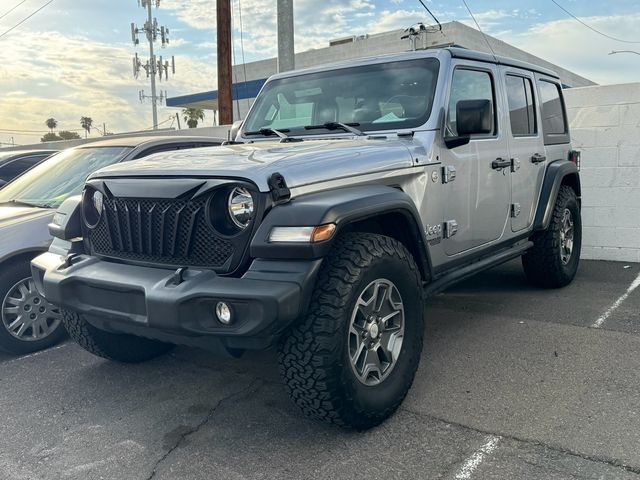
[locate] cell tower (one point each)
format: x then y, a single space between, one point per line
154 65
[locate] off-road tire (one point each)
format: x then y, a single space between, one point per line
542 264
313 354
10 274
112 346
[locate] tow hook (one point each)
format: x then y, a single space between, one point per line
178 276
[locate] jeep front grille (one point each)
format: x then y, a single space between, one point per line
167 231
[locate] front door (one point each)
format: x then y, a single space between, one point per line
478 199
526 147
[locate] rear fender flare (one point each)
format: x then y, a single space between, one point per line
558 173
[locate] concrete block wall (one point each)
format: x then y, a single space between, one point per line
605 127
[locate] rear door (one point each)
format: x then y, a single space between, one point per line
553 118
526 147
477 200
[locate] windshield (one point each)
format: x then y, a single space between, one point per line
386 96
63 175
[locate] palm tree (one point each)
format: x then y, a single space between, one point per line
86 122
192 116
51 124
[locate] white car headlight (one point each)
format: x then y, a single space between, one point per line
241 207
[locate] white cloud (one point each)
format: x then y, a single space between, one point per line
573 46
73 76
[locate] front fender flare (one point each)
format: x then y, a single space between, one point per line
342 207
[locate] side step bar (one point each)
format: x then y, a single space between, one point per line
463 273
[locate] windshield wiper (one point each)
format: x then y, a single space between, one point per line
267 131
347 127
26 204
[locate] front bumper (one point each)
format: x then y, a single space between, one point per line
149 302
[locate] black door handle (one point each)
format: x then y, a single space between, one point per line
537 158
500 163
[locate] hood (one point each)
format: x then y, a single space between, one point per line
11 214
301 163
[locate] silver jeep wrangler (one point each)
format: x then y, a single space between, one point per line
350 193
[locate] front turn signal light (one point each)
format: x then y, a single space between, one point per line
305 234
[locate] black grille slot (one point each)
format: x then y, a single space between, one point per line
170 232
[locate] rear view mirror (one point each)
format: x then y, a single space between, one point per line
474 117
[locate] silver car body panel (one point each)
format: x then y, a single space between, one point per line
23 229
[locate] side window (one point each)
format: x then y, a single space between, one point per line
521 106
553 120
12 169
469 85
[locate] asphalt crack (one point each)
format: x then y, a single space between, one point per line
612 462
254 385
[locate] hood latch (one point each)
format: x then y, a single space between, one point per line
280 193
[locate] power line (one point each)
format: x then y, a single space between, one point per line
38 132
11 9
478 25
590 27
25 19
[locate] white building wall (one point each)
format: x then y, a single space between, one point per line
605 127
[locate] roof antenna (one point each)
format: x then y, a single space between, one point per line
432 15
483 34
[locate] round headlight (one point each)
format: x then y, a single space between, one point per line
240 207
93 206
98 201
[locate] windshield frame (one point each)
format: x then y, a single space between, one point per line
381 127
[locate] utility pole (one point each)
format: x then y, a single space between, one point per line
154 66
286 50
225 84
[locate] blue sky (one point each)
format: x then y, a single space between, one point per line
74 57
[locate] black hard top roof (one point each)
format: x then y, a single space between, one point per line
459 52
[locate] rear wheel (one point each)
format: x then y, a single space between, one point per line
553 260
352 360
112 346
28 322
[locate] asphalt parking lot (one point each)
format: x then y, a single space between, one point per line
515 383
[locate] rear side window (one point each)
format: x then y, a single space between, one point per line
469 85
12 169
553 118
521 106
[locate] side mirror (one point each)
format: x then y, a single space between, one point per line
235 128
473 117
2 183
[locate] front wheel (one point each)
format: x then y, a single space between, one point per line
112 346
553 260
352 360
28 323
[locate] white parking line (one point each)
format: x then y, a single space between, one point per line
24 357
476 459
598 323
